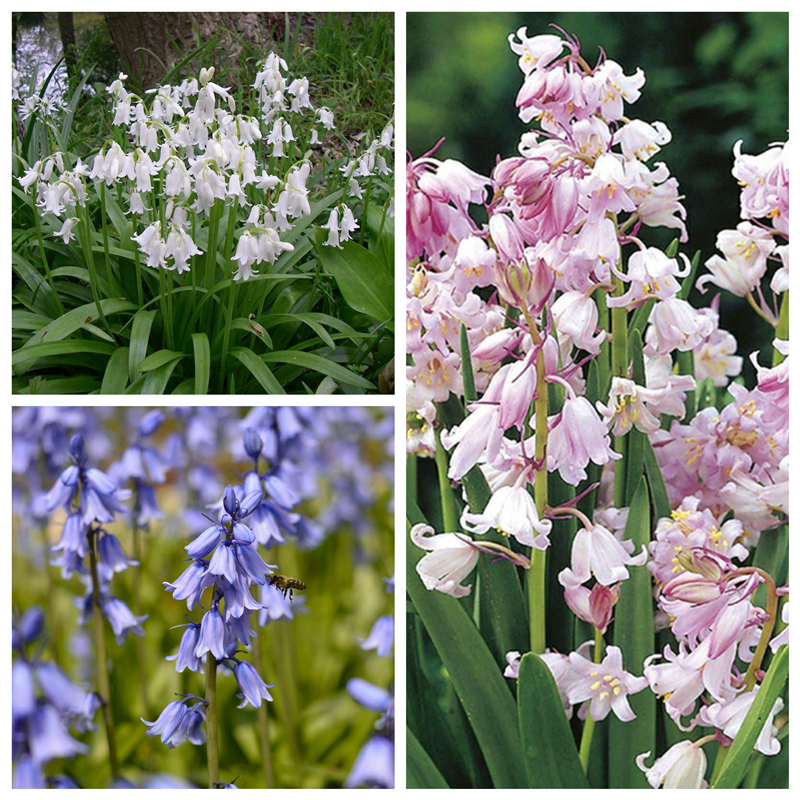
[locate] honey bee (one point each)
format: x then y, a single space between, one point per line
285 585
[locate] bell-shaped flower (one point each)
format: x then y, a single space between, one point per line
728 717
212 635
743 262
575 317
605 686
122 619
511 510
683 766
451 558
577 437
597 552
254 689
185 656
629 405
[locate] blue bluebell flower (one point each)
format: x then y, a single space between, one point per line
381 637
122 619
48 737
27 628
252 686
212 635
186 656
374 765
28 774
274 606
111 559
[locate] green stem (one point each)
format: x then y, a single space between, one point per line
105 230
719 763
88 254
588 725
137 609
782 330
449 515
51 615
212 732
44 259
228 255
101 657
263 723
619 369
766 631
211 259
537 604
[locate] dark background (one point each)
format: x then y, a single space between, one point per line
712 78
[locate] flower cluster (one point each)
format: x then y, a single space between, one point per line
45 705
579 362
191 152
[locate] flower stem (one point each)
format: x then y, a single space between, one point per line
768 318
137 608
782 331
766 631
231 294
263 723
588 725
619 369
449 516
101 657
538 571
44 259
212 733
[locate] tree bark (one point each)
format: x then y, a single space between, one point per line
66 28
150 44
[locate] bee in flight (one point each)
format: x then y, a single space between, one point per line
285 585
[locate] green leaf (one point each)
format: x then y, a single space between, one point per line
115 378
318 364
688 281
470 395
306 318
362 279
634 634
158 359
140 335
258 369
634 451
156 380
655 481
252 327
475 675
551 758
202 363
61 348
421 771
735 765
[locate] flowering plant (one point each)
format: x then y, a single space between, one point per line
158 527
611 521
214 243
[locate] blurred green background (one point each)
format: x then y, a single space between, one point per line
316 728
712 78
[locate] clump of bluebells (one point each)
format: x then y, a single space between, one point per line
288 460
45 705
208 202
604 408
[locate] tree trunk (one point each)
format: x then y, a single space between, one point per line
66 28
150 44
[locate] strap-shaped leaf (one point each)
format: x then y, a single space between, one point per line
259 370
421 771
140 335
634 634
202 363
158 359
551 757
735 765
115 378
476 677
318 364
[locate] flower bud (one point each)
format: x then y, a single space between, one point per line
252 443
229 500
150 422
691 588
76 446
